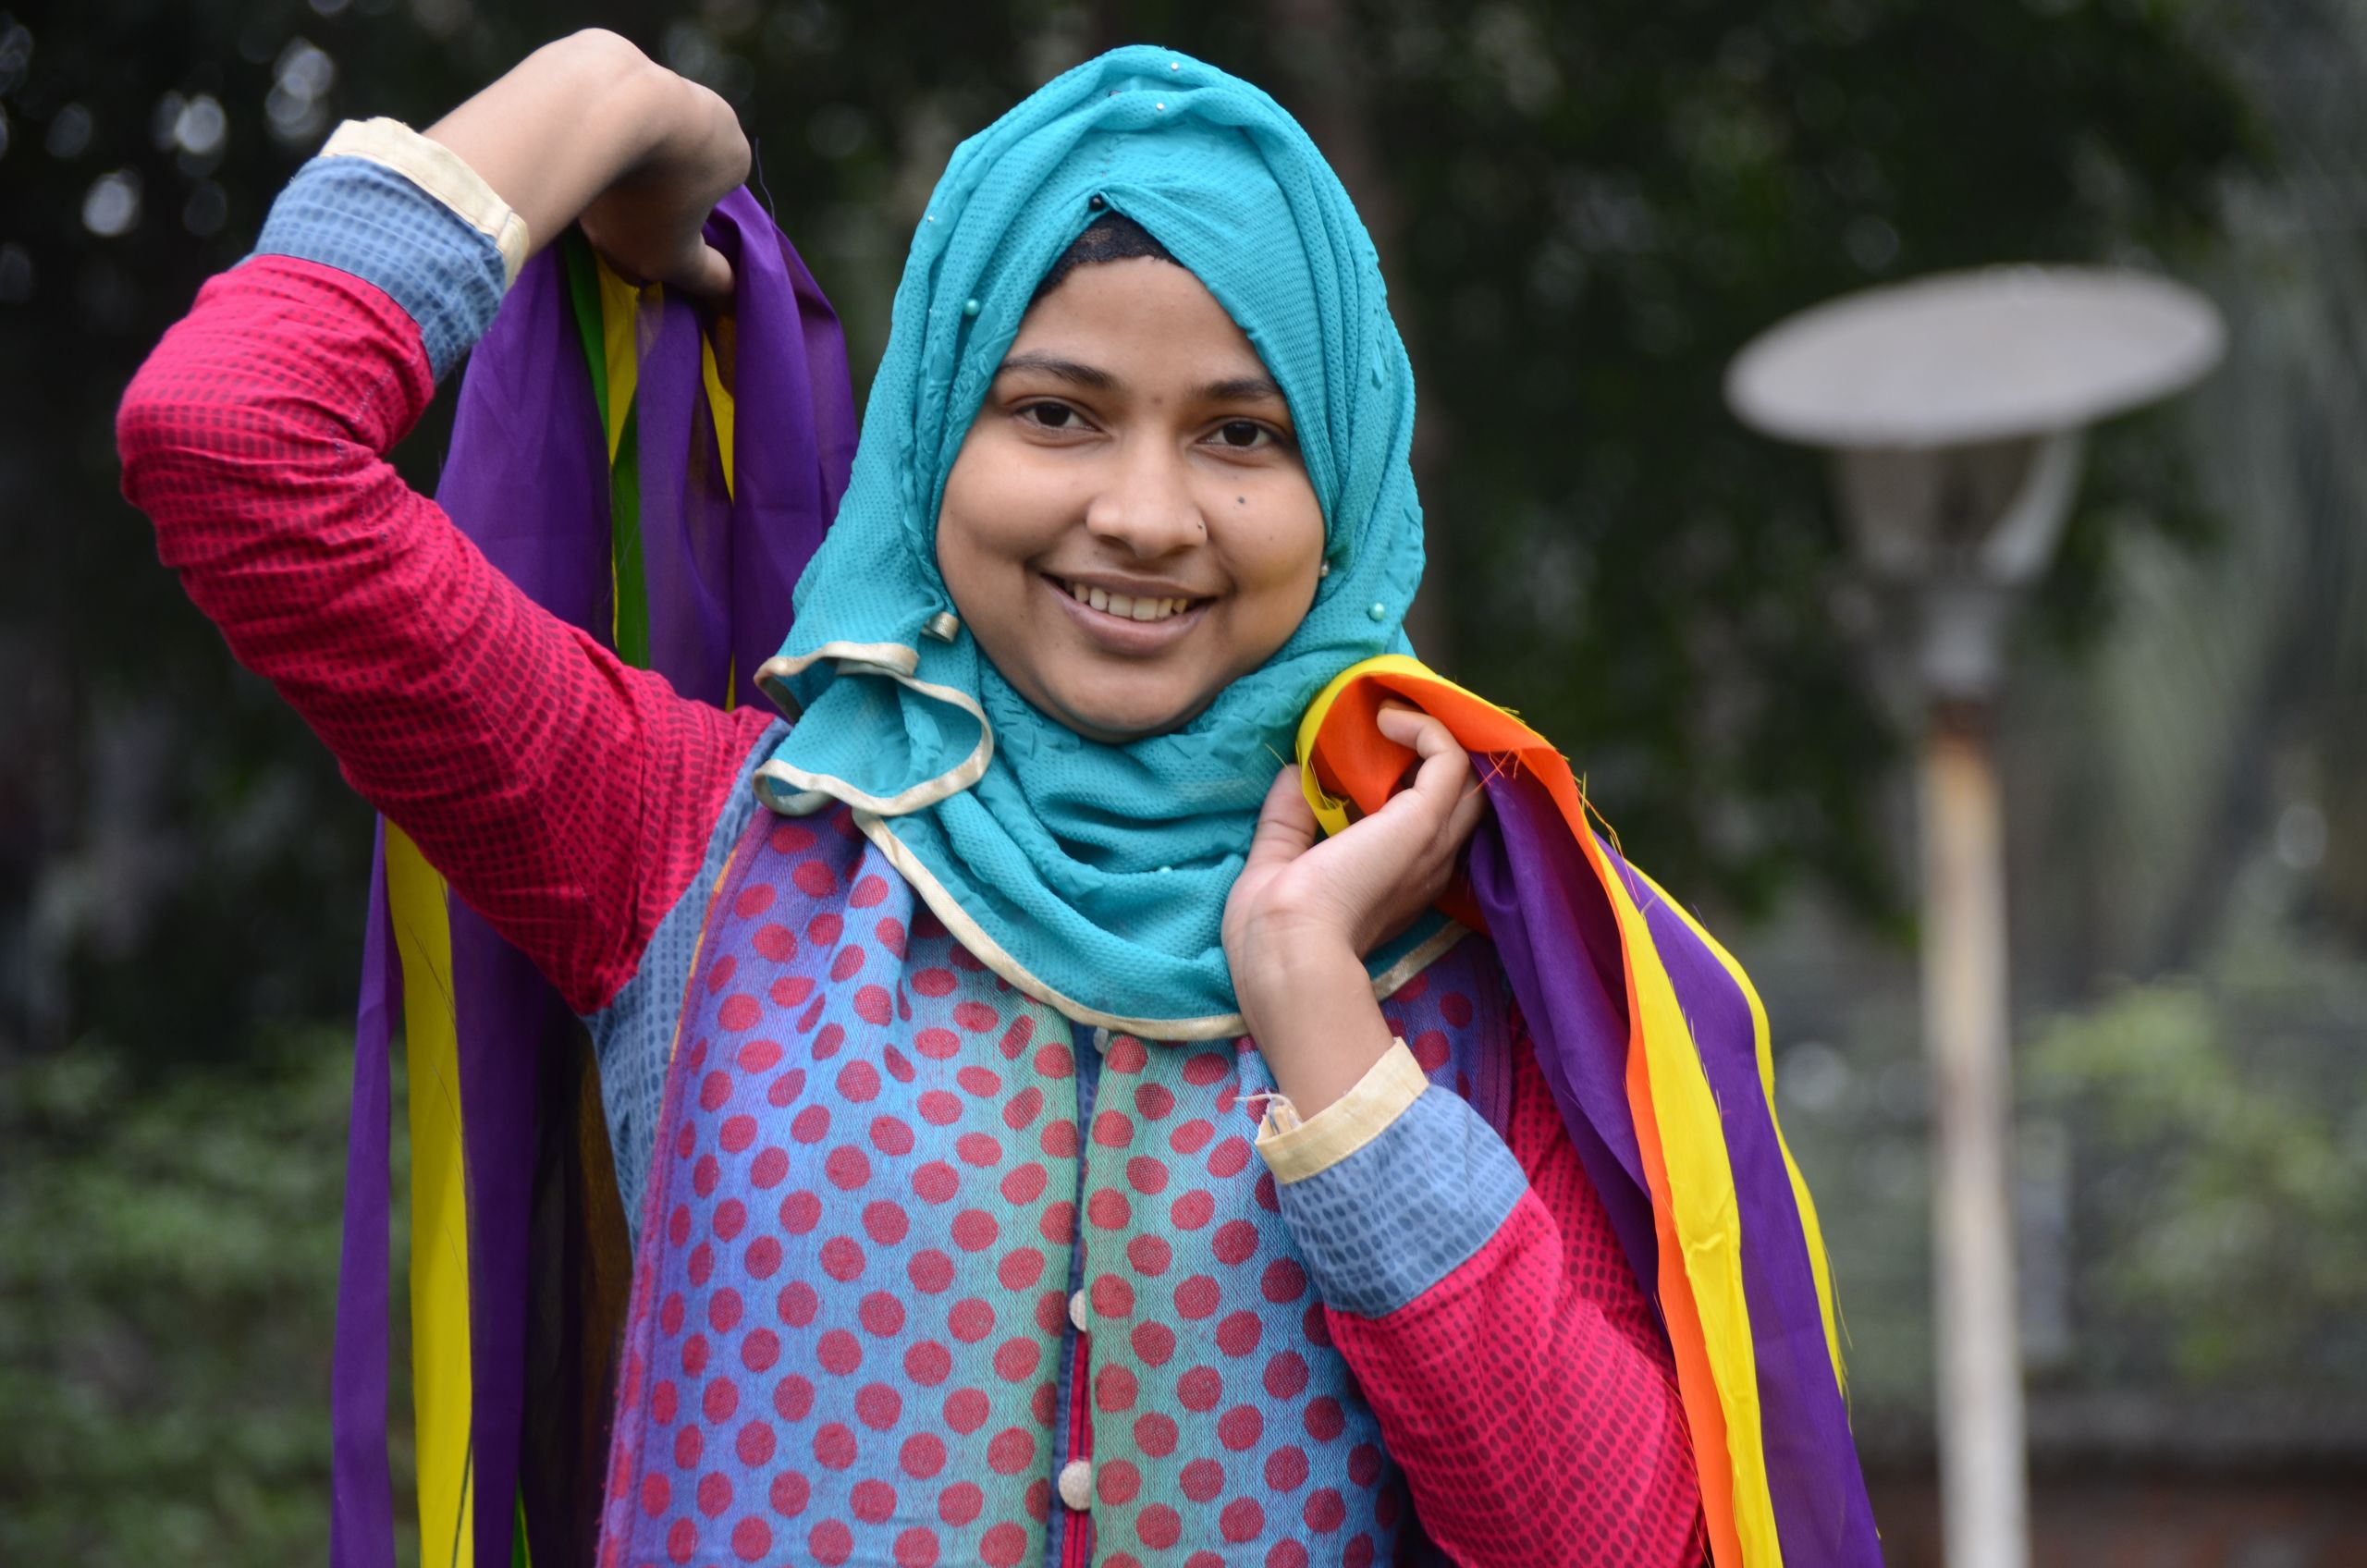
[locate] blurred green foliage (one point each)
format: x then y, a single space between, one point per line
2190 1179
1603 204
2218 1172
169 1254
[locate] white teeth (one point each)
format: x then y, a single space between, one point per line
1125 605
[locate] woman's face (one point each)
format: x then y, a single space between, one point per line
1128 527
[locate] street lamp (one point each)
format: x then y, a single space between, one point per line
1953 409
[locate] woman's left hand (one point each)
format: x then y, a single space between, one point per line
1304 914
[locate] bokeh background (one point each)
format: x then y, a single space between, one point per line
1584 210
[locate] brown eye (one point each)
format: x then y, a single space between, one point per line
1051 416
1241 434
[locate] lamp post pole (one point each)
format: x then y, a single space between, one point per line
1984 1505
1953 408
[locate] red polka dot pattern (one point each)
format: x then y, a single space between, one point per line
1204 1372
848 1252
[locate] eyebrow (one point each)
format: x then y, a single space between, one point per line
1093 376
1232 389
1242 389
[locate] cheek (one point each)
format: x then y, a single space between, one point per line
1275 556
993 520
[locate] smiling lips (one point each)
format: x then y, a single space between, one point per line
1124 606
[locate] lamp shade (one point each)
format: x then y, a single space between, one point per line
1970 357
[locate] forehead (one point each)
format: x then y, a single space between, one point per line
1139 320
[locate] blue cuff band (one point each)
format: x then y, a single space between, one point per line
364 218
1407 1209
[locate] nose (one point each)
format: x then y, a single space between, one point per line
1147 509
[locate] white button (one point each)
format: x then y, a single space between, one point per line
1077 1484
1076 1310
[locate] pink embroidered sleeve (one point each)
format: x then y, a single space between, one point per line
566 796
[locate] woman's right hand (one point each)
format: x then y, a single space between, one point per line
590 129
647 222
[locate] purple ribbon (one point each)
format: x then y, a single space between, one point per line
362 1520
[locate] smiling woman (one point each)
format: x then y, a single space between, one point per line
1129 527
954 1092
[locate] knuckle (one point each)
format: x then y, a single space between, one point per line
612 50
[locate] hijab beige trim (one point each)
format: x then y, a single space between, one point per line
794 792
1215 1026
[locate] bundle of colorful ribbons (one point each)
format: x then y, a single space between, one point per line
1656 1048
597 461
594 460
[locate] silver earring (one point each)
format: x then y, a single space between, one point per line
1324 571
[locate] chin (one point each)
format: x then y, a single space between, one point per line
1136 718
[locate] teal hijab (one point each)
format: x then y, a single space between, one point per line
1094 877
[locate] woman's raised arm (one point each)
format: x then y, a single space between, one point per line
566 796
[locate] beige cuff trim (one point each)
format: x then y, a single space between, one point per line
1295 1151
437 170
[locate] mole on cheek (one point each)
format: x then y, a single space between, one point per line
1240 501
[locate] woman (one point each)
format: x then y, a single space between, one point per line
952 1245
